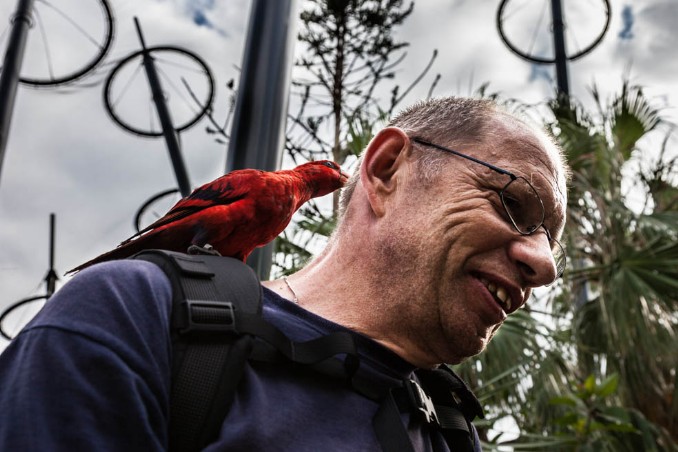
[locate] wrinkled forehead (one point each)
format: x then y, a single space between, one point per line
529 152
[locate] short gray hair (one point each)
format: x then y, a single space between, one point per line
449 121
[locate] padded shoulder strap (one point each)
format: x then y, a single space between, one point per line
208 355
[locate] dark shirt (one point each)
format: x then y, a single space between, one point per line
92 371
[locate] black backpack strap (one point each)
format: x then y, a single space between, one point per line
208 358
216 317
388 426
442 400
455 405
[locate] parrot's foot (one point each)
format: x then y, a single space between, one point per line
207 249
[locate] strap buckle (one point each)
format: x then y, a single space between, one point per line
204 316
421 402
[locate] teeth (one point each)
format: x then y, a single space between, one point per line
503 296
499 292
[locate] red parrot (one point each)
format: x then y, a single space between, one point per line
235 213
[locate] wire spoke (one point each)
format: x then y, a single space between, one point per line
43 36
515 10
179 65
128 84
73 23
539 23
176 89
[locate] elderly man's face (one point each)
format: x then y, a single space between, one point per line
464 265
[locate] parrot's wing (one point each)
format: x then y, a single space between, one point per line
225 190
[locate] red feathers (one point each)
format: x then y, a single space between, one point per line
235 213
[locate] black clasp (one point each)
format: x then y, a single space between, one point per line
203 316
421 402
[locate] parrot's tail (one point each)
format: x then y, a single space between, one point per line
126 249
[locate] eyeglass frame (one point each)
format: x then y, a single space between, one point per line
559 271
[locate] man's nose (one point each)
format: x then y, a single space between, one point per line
534 259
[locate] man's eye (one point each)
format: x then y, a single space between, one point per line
514 205
511 202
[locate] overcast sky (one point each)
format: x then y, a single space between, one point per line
65 154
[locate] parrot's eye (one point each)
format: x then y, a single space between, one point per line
331 165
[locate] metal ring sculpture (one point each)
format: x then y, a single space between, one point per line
138 218
12 308
139 55
542 60
103 48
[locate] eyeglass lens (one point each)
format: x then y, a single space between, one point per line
523 205
526 211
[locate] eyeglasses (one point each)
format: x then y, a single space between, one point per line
524 208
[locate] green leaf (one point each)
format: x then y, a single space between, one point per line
607 386
589 385
568 400
568 420
633 117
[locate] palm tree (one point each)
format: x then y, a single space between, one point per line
624 286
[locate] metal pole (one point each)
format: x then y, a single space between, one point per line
51 277
165 119
11 69
258 130
559 47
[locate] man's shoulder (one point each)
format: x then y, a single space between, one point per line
136 274
109 301
99 349
121 279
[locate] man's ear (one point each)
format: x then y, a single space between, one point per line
384 157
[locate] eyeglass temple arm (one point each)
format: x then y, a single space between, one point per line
468 157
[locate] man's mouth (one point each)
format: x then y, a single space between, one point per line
501 294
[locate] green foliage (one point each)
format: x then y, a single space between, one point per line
590 419
624 287
586 413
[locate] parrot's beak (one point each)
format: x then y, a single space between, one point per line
343 178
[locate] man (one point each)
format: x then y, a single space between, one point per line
451 219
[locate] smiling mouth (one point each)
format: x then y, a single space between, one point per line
500 294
